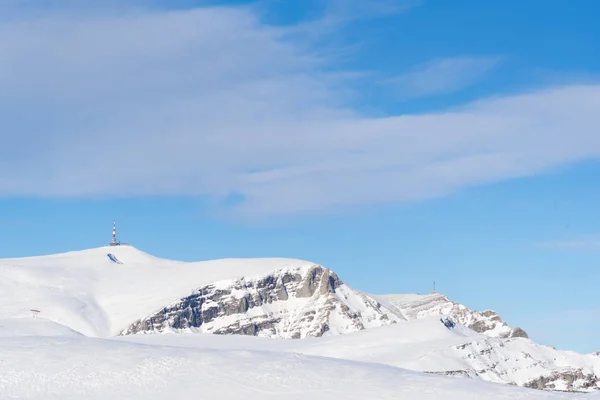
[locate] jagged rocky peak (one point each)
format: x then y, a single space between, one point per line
415 306
571 379
289 303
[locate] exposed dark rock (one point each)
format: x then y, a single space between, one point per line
492 315
478 326
208 306
487 322
457 373
569 377
518 332
494 355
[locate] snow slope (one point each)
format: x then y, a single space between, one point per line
75 368
427 345
24 326
95 296
405 344
87 293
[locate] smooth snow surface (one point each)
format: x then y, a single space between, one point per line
85 368
421 345
405 344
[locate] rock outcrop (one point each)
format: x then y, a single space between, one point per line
519 361
414 306
569 380
291 304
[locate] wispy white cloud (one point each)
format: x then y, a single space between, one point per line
327 27
443 76
580 244
347 10
212 101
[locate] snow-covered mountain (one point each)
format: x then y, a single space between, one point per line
414 306
300 302
307 301
92 294
122 292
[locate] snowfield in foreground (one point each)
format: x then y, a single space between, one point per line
423 345
115 322
85 368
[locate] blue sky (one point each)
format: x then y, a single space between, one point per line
393 142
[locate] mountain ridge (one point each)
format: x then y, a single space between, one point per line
285 304
415 306
110 291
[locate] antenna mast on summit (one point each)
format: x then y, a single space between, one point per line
433 287
114 234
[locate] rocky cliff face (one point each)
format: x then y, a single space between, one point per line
292 304
570 379
419 306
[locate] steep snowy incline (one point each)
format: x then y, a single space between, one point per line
85 368
414 306
91 294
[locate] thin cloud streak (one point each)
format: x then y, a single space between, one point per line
350 10
443 76
213 102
